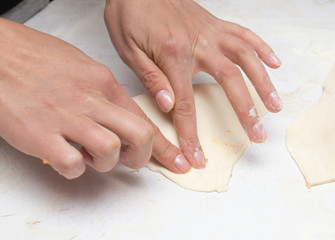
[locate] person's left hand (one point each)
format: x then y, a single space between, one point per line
166 42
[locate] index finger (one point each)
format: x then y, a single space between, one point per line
163 150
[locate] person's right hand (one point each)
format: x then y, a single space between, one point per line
52 94
167 42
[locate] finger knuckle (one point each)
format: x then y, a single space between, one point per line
111 147
71 163
101 74
150 79
170 45
246 50
228 72
174 46
104 72
144 134
184 108
246 32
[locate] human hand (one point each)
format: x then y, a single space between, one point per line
166 42
52 94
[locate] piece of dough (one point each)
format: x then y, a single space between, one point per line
220 133
310 138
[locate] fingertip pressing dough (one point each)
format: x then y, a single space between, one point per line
222 137
310 138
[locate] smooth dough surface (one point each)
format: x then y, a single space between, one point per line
220 133
310 138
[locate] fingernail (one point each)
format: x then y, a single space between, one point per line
164 100
182 164
258 133
275 59
275 101
77 171
200 160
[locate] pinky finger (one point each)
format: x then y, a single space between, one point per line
264 51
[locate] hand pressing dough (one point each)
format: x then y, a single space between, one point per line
220 133
311 137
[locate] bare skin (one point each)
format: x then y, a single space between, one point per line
166 42
55 94
52 94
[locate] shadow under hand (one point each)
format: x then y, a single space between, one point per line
35 180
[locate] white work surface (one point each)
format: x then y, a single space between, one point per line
266 198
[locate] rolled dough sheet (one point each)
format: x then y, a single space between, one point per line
220 133
310 138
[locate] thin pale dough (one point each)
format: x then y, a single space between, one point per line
220 133
310 138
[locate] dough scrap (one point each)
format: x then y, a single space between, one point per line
310 138
221 136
